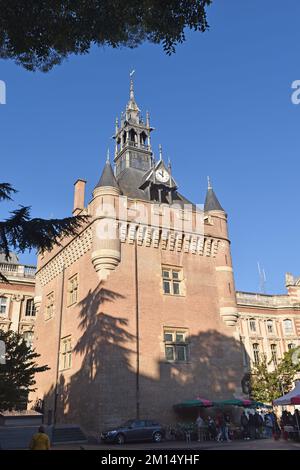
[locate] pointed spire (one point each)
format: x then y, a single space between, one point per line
160 152
131 90
147 119
209 185
107 178
117 125
211 200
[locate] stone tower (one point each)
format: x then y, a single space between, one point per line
137 311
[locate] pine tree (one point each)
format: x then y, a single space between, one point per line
17 374
20 232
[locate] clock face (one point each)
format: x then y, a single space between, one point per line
162 175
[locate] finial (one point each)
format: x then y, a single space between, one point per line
131 85
209 186
160 152
107 156
147 119
169 162
117 124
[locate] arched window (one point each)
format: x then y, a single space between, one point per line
288 326
3 305
255 348
252 325
274 353
270 326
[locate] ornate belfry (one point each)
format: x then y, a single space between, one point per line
132 138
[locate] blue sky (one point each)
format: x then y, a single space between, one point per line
221 106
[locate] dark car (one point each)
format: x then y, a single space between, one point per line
134 430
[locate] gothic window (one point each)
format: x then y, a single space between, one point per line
288 326
176 345
255 348
3 305
143 138
172 281
30 309
274 353
132 136
66 353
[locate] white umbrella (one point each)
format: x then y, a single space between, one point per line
291 398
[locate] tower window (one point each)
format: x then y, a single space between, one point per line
72 290
66 353
172 281
176 345
50 306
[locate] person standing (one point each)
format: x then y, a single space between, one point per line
245 425
200 428
40 440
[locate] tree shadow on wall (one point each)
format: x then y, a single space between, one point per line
104 348
102 393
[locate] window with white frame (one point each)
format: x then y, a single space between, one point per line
3 305
176 345
28 338
30 309
270 326
256 353
252 325
274 353
66 353
72 290
288 326
172 281
50 306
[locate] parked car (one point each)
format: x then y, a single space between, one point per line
134 430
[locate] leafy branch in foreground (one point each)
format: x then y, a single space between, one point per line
39 34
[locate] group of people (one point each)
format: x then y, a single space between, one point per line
217 428
253 425
257 425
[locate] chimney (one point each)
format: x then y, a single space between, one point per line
79 191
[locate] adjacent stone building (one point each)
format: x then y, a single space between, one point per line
17 287
269 324
138 311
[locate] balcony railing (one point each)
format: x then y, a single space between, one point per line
17 270
248 298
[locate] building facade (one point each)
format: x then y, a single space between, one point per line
269 325
138 311
17 311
